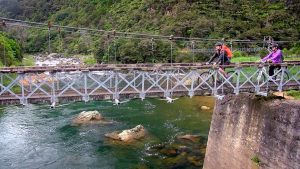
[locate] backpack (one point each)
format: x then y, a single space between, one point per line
228 51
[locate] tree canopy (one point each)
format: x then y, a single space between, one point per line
251 19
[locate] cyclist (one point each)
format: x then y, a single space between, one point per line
222 56
274 57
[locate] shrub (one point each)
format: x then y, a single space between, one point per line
263 53
237 54
10 51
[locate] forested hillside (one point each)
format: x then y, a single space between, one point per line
234 19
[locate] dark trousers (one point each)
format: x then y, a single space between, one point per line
272 68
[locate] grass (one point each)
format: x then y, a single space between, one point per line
256 160
254 59
89 60
86 59
294 93
292 59
28 60
245 59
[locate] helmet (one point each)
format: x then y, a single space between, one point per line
219 44
275 45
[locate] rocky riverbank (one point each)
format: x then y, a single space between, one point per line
55 59
249 131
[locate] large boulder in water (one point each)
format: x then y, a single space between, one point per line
129 135
90 117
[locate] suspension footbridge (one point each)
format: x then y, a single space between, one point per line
24 85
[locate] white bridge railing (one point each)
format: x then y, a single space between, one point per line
24 85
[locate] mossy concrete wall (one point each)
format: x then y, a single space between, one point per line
246 126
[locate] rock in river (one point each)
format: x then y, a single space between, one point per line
90 117
205 107
129 135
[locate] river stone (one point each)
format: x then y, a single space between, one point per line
87 117
129 135
54 55
205 107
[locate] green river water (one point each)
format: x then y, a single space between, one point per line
36 136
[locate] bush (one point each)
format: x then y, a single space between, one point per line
28 60
89 60
237 54
10 51
294 93
263 53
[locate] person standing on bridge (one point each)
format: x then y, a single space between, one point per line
275 57
222 56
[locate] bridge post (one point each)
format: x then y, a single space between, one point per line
167 92
257 85
53 95
280 85
134 78
193 77
237 87
142 94
1 81
85 96
23 100
215 72
116 94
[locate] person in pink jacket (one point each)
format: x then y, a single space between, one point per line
274 57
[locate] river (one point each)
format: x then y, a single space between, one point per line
36 136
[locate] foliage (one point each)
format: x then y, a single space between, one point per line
10 51
248 20
89 60
263 53
237 54
245 59
294 93
28 60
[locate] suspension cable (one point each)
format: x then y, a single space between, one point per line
144 35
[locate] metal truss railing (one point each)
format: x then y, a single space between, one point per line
113 82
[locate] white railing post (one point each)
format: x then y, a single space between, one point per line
85 96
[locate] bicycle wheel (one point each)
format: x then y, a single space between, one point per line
277 76
259 79
209 80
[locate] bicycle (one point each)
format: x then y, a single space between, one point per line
261 78
209 77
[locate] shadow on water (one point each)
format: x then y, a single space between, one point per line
36 136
